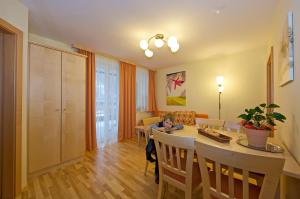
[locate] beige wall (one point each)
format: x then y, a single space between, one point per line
16 14
244 75
288 96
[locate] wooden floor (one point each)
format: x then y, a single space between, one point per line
117 171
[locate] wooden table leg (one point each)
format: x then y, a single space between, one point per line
280 191
138 134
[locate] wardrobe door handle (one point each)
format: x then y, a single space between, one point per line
57 110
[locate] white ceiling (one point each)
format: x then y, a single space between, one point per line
115 27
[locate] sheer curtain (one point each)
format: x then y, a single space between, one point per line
142 80
107 100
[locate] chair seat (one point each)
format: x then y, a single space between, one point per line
254 178
238 187
196 177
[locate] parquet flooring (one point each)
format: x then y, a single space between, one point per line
116 171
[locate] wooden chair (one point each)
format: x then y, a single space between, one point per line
232 126
151 120
147 137
217 185
147 131
176 168
140 129
210 123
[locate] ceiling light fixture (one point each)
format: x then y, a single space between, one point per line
159 42
217 11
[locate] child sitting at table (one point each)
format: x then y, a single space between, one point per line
167 125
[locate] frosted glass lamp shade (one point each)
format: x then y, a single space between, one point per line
148 53
172 42
144 44
158 43
220 80
175 48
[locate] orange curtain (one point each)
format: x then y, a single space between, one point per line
127 101
151 92
91 143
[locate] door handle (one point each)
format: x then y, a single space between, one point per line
57 110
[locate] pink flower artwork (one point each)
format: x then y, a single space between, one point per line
176 88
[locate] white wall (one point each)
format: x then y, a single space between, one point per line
50 42
245 80
288 96
16 14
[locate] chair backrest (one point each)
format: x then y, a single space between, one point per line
147 122
270 167
210 123
171 160
151 120
232 126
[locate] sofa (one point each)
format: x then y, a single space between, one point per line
182 117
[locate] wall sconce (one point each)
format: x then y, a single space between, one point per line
220 83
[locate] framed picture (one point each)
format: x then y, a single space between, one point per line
286 54
176 89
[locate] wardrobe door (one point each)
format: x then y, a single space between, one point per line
44 141
73 104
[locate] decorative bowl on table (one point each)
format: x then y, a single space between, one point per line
211 133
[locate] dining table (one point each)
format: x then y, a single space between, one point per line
291 166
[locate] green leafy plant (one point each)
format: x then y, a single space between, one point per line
262 117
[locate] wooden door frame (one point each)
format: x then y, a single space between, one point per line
18 100
270 81
270 77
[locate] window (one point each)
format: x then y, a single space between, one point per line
107 100
142 78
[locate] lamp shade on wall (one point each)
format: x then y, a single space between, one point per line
221 89
220 83
220 80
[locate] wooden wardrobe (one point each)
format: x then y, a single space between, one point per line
56 120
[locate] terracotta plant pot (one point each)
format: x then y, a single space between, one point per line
257 138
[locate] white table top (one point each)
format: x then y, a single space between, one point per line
291 167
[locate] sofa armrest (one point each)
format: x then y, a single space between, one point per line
201 115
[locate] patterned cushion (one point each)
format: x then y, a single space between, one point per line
162 114
185 117
181 117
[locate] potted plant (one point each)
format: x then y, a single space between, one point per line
258 122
